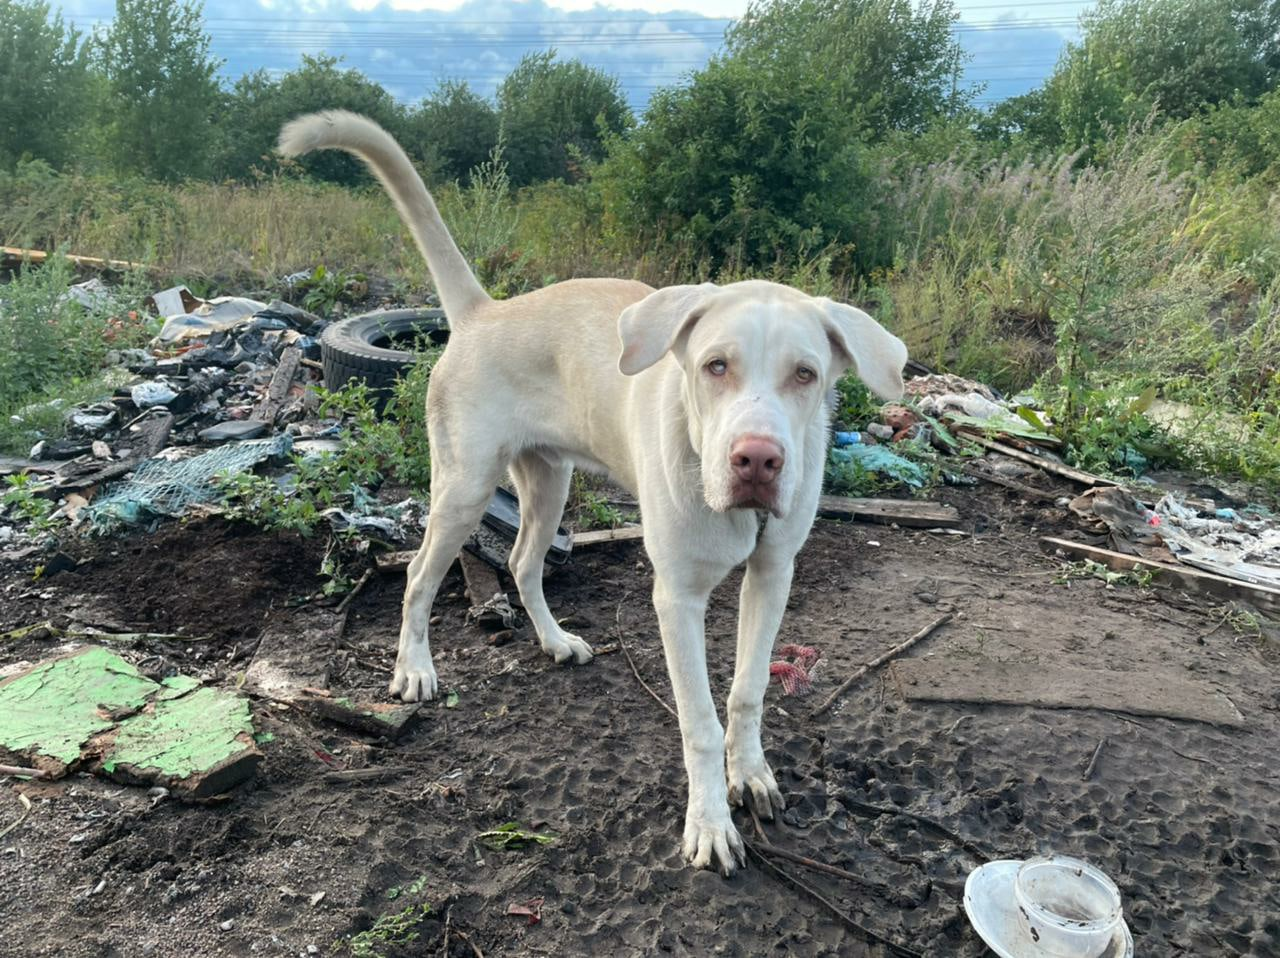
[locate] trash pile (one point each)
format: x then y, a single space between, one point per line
1239 544
1219 536
226 384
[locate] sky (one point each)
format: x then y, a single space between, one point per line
409 46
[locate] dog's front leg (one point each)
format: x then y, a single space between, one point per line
709 832
763 599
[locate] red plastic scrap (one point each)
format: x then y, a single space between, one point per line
531 909
794 669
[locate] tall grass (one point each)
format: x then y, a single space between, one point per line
1091 283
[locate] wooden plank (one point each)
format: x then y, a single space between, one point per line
904 512
10 465
91 708
384 719
293 653
598 536
281 380
489 604
1043 462
16 254
146 438
1051 685
1202 582
1031 492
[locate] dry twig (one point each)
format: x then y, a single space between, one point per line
622 644
831 906
28 772
879 661
26 810
1093 762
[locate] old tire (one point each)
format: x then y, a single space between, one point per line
366 348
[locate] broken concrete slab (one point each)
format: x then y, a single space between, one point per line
1053 685
92 709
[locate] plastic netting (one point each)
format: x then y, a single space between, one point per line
161 487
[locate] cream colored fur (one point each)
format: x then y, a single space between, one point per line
611 376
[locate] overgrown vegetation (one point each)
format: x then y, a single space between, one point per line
53 348
1111 240
376 447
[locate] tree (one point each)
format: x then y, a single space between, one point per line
551 113
260 106
766 154
890 64
43 83
454 130
162 89
1176 57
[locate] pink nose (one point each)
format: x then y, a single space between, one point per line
756 460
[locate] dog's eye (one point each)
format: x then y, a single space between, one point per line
717 367
805 374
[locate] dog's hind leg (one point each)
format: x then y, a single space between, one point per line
542 487
459 494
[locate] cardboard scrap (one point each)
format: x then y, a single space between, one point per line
93 709
1055 686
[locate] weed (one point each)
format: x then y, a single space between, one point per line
591 508
1088 569
391 930
325 288
512 836
855 406
52 348
21 501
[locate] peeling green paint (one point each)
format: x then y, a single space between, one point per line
176 686
58 706
182 736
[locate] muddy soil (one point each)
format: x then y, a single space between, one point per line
1184 816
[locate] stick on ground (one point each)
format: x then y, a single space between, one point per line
817 896
28 772
26 810
622 644
1093 762
879 661
908 897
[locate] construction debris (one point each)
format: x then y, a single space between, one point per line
92 709
977 680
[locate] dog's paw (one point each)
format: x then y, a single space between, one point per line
414 679
712 841
565 646
751 775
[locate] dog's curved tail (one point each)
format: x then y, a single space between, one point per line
460 292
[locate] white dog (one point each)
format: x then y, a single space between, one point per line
706 402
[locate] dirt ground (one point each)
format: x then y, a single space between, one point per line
1185 816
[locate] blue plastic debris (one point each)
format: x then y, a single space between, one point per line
880 460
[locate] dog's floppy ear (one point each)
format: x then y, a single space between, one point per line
874 353
649 328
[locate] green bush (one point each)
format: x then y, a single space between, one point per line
52 348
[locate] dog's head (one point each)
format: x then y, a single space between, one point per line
758 360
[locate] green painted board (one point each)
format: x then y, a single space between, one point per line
49 713
200 743
91 708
